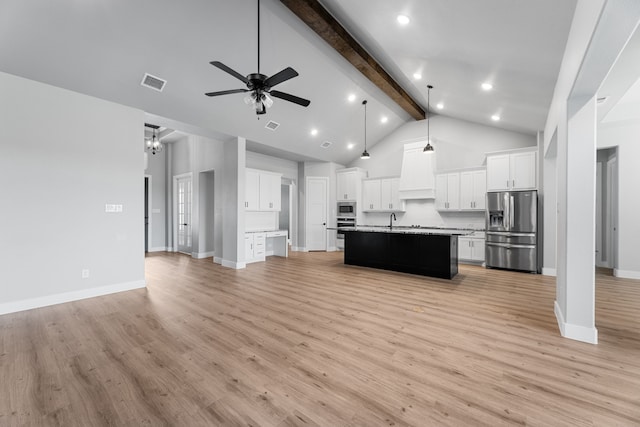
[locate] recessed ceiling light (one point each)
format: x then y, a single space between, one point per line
403 19
440 106
350 146
495 117
487 86
351 97
314 132
384 119
417 76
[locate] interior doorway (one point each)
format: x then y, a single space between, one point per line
606 208
182 213
147 209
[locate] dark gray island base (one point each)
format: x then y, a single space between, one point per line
434 255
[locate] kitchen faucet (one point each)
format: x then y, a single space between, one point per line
392 218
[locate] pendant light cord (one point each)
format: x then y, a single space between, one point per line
365 124
429 87
258 36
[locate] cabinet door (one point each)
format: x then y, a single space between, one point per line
248 246
453 191
464 248
498 176
341 186
385 195
479 190
523 170
442 194
477 246
467 195
269 192
371 195
252 190
397 204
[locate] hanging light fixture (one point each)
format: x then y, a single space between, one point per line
428 147
365 155
154 145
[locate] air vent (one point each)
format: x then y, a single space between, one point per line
326 144
602 99
272 125
153 82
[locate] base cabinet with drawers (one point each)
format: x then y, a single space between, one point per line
254 247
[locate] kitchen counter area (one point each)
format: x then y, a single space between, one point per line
417 250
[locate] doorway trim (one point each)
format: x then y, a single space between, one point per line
175 207
149 225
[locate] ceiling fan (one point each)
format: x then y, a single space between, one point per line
259 85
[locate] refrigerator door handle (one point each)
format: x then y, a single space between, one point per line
510 246
512 219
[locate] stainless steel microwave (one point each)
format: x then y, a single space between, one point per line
346 209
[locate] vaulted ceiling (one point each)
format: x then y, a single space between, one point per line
103 48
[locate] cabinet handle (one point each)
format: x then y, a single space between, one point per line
513 183
507 183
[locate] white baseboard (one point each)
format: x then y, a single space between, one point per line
232 264
31 303
159 249
332 249
296 249
217 260
575 332
626 274
549 271
201 255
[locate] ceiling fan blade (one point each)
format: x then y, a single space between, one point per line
226 69
226 92
290 98
282 76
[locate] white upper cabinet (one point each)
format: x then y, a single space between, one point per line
473 189
262 191
348 184
512 171
448 191
381 195
371 195
252 190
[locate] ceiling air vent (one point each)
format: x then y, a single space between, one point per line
602 99
272 125
153 82
326 144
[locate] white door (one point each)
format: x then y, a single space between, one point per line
184 199
316 213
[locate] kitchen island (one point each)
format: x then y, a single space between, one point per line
425 251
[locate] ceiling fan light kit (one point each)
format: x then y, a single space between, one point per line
259 85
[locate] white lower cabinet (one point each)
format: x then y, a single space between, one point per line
254 247
471 248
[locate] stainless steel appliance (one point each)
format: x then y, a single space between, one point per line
346 209
346 217
512 230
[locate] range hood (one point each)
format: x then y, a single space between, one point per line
417 177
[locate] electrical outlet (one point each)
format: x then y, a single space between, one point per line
85 273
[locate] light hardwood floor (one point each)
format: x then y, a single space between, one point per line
308 341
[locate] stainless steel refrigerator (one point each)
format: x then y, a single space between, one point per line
512 230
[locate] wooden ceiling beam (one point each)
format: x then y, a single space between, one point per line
312 13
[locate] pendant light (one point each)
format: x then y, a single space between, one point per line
154 145
428 147
365 154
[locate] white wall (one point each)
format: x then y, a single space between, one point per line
63 157
626 136
458 144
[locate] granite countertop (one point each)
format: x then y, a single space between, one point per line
407 230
